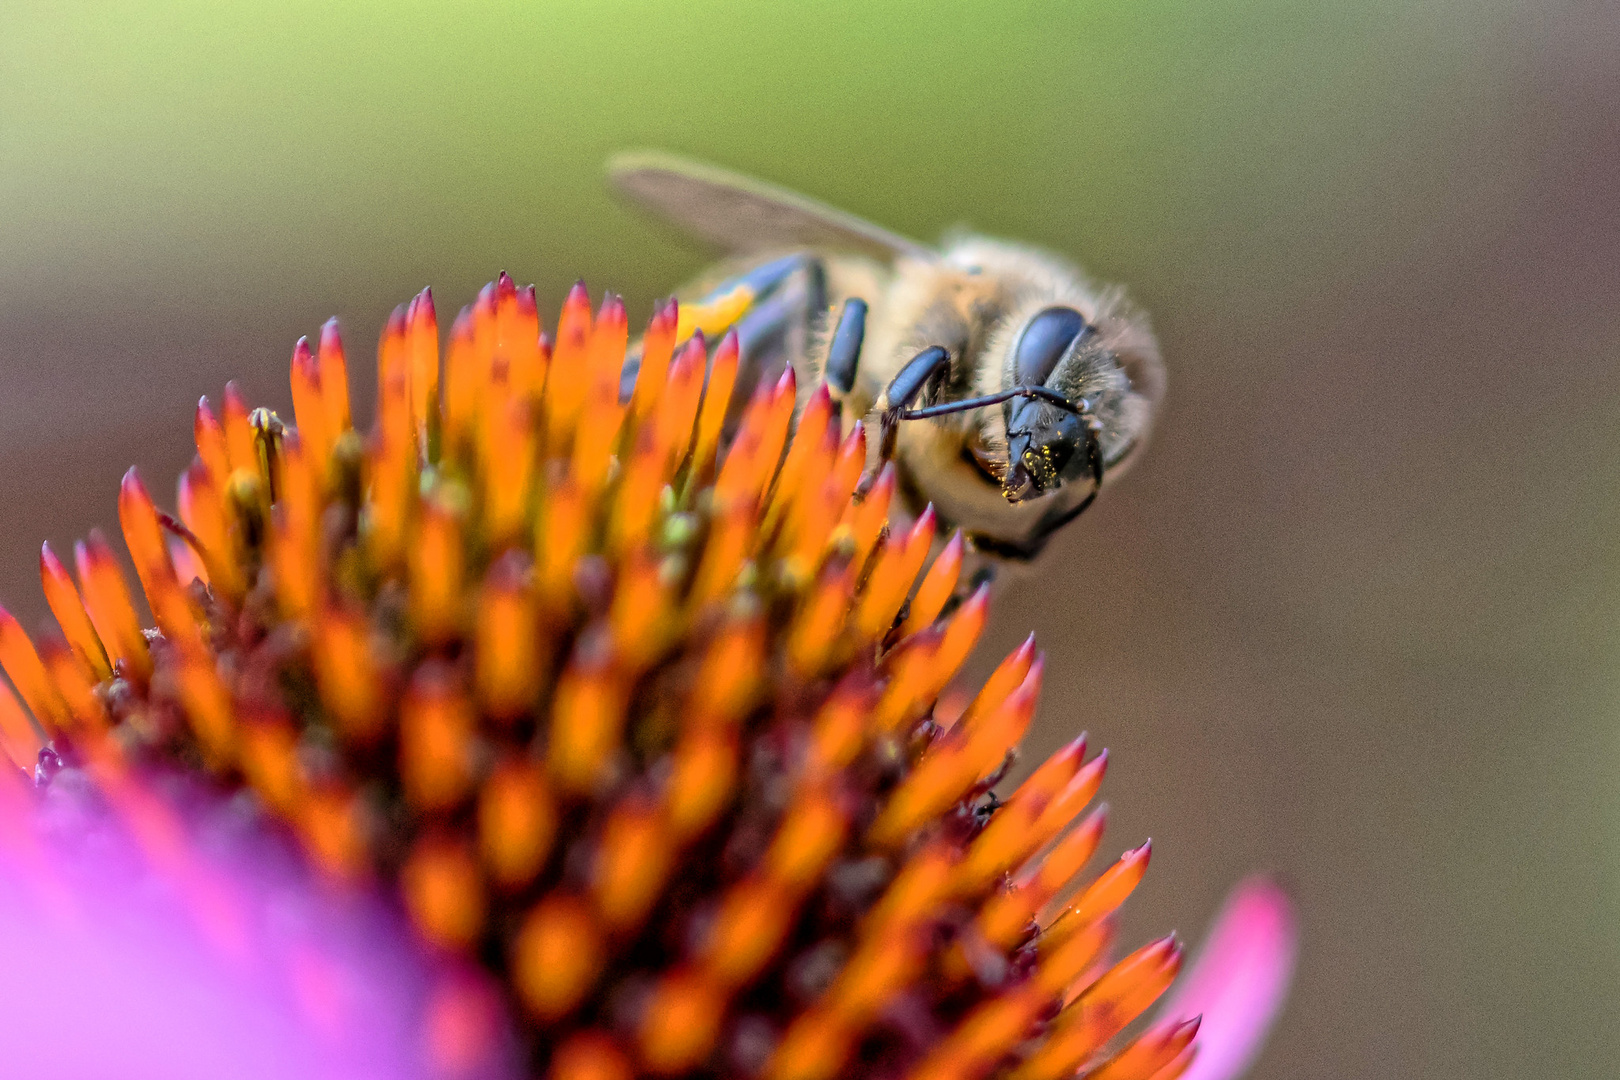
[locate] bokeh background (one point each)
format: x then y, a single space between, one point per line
1354 618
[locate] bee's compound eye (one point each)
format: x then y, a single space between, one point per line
1044 341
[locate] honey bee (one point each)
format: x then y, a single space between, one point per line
1006 387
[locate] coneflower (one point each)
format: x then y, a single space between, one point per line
622 695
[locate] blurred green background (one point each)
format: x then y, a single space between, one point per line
1354 616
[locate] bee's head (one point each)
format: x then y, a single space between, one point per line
1045 443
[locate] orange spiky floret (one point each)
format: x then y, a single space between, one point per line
635 713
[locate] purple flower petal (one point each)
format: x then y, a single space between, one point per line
1240 979
216 956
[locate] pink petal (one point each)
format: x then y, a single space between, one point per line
1240 979
224 959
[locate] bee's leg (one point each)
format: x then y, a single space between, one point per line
932 364
844 354
776 331
732 300
629 373
927 366
767 306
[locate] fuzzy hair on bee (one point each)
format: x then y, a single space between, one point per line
1004 385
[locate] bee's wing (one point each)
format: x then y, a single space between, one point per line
742 215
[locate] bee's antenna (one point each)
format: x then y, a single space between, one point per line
931 365
1079 407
